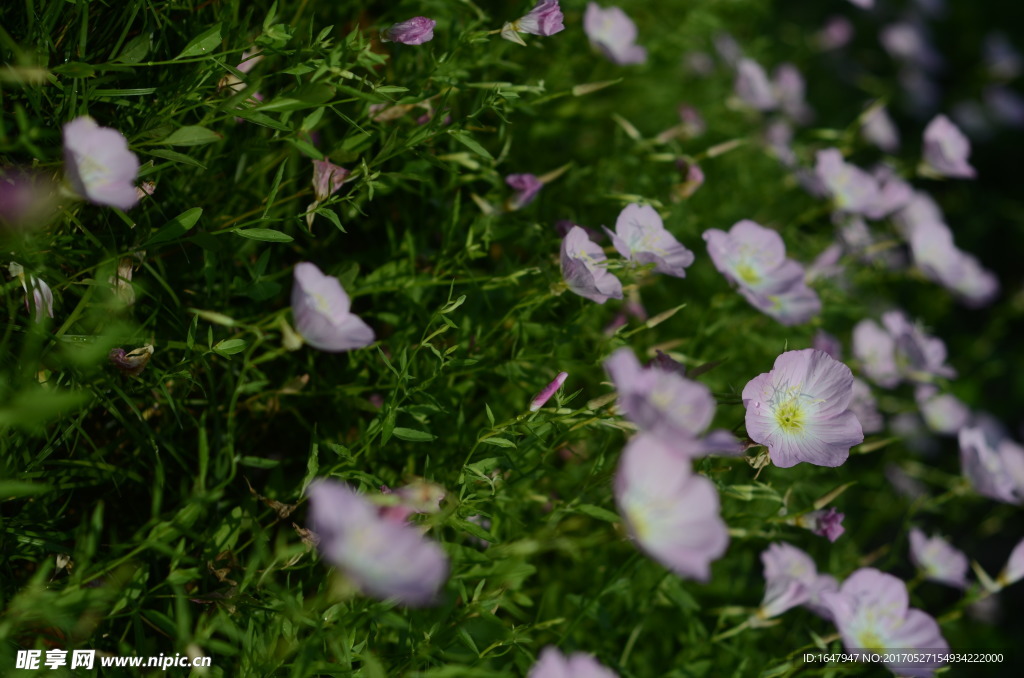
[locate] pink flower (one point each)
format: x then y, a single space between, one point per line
544 19
322 314
943 412
753 257
327 179
614 33
415 31
853 190
863 405
553 664
879 129
793 306
386 559
641 236
946 149
836 33
994 466
938 560
669 511
827 343
549 390
800 410
901 350
1013 571
863 4
876 350
826 523
789 86
583 268
792 579
872 612
753 87
420 496
667 405
98 164
27 199
38 296
526 187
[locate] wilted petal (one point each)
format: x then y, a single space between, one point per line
415 31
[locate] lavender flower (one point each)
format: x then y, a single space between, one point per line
1013 571
327 179
879 129
853 190
942 412
583 268
614 33
872 612
995 467
946 150
837 32
415 31
863 405
641 236
98 164
386 559
826 523
753 87
667 405
919 356
553 664
669 511
38 296
788 84
938 560
27 199
544 19
876 351
792 579
322 315
549 390
827 343
526 187
800 410
753 257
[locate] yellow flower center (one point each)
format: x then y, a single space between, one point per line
747 274
869 640
790 416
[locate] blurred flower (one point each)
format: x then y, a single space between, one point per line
386 559
942 412
322 314
909 42
826 523
876 350
692 180
800 410
827 343
1002 60
667 405
328 179
836 33
614 33
753 87
1005 105
249 60
133 362
671 513
1013 571
728 49
857 192
415 31
583 268
419 496
699 63
863 405
863 4
38 296
98 164
946 150
121 281
146 188
789 87
753 257
879 129
872 612
548 391
27 199
526 187
995 467
544 19
792 579
938 560
553 664
918 355
640 236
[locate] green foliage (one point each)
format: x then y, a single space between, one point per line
178 494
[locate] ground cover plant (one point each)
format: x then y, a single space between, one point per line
444 338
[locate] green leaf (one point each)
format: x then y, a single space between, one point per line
598 512
264 234
412 435
228 347
258 462
136 49
472 144
176 227
498 442
12 489
192 135
176 157
204 43
306 96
